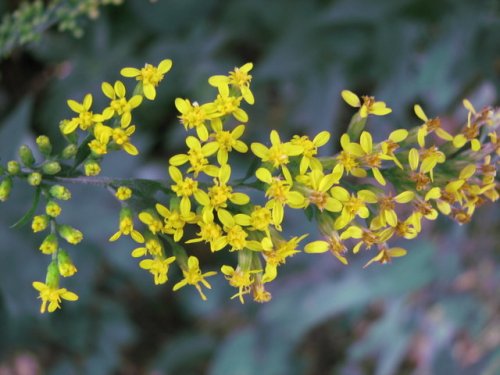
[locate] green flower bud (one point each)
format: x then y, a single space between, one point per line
49 244
64 263
35 179
13 167
92 168
26 156
69 151
70 234
51 168
60 192
52 209
39 223
5 189
44 145
52 278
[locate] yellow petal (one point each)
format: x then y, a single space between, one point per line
317 247
420 112
350 98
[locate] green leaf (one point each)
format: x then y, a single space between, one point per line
83 151
28 215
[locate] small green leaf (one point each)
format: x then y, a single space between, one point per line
83 151
29 214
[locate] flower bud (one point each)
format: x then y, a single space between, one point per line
49 244
44 145
35 179
64 263
92 168
13 167
60 192
52 209
123 193
39 223
70 234
5 189
51 168
52 278
26 156
69 151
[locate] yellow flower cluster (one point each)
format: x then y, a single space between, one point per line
370 193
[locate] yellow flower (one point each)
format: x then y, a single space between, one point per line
49 244
239 279
387 204
368 237
369 106
239 79
260 219
279 194
371 158
150 76
391 144
195 116
353 205
175 221
119 103
220 193
226 104
65 264
53 295
153 222
260 294
185 188
158 267
333 244
197 157
227 141
385 255
70 234
92 168
152 245
422 209
127 227
210 232
193 276
39 223
122 139
278 154
85 117
275 252
123 193
348 158
310 149
53 209
429 126
319 184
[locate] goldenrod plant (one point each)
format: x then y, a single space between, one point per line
371 193
27 23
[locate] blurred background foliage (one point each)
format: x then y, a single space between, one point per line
432 312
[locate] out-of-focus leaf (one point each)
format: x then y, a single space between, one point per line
14 128
282 323
185 352
387 340
238 355
29 214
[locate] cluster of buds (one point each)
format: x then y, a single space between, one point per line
364 197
